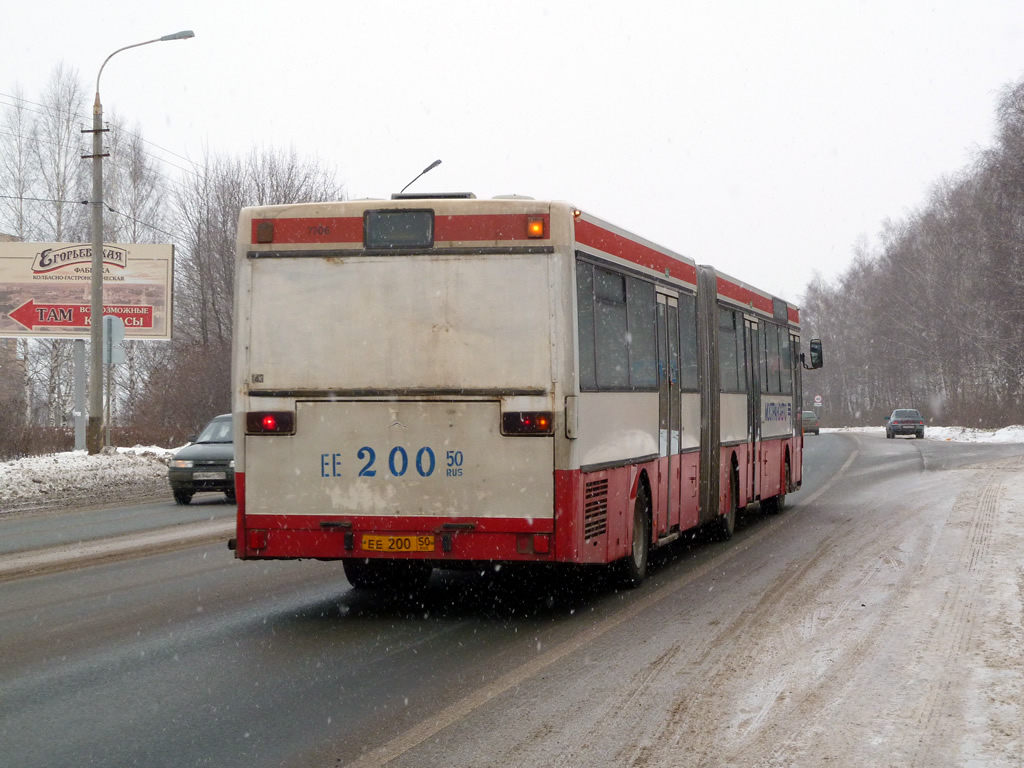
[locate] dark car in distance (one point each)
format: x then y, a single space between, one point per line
206 464
812 424
904 421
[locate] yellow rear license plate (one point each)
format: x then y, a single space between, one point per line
372 543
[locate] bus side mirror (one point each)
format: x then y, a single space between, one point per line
814 352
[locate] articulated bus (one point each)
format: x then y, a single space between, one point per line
442 381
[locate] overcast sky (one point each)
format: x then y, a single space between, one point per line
764 138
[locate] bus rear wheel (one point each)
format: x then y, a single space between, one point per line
725 525
634 567
400 576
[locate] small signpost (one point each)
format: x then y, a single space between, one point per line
113 353
113 335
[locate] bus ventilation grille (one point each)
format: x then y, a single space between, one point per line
595 512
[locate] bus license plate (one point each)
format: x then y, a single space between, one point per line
373 543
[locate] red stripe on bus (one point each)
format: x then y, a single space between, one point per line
504 226
630 250
744 295
328 229
240 514
349 230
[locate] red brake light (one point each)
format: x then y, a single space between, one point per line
527 423
270 423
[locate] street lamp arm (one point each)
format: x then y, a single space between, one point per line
183 35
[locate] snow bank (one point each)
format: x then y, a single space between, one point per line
1013 434
76 479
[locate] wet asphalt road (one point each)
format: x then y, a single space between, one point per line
192 658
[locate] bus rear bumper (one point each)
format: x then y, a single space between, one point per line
427 538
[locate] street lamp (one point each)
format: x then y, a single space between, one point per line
94 429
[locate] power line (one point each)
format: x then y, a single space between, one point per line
193 166
143 223
87 202
42 199
161 179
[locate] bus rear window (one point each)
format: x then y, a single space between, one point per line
398 229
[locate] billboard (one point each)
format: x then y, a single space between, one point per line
45 289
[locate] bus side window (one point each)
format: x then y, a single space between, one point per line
611 324
729 341
585 309
643 357
772 379
617 330
786 360
689 362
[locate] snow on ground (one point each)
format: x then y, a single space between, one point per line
955 434
75 478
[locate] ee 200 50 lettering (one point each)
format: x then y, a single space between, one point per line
398 462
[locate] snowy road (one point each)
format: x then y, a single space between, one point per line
876 622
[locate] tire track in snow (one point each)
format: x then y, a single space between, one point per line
940 708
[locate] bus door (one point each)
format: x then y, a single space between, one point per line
796 467
666 512
752 339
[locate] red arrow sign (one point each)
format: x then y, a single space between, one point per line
32 315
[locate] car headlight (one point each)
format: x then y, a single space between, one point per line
181 464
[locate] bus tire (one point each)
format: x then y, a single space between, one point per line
634 566
725 525
401 576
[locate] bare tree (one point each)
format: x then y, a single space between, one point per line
207 210
40 158
58 153
18 173
132 189
206 213
61 180
935 320
137 212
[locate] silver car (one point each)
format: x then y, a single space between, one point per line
904 421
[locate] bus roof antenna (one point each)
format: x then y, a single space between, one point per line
430 167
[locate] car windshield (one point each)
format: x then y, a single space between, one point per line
906 414
217 431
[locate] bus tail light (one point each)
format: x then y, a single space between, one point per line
535 227
270 423
527 423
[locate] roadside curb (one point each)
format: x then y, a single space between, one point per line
52 559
